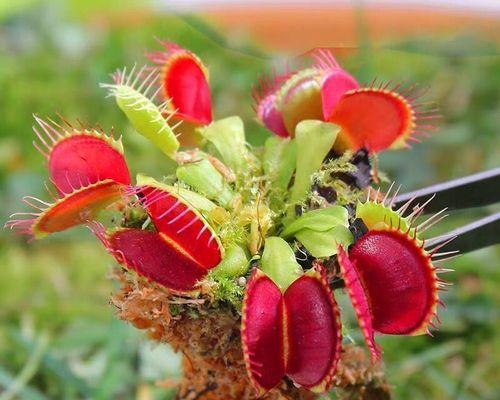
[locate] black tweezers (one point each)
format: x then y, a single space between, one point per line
477 190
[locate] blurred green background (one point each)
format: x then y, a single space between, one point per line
58 336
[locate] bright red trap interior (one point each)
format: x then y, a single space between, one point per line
182 225
157 259
397 278
372 119
313 331
297 333
186 85
82 159
262 329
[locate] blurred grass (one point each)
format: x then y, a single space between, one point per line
58 336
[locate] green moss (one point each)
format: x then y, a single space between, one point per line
230 232
175 309
228 291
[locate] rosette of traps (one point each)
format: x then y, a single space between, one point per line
236 254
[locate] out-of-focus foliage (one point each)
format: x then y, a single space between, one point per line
58 336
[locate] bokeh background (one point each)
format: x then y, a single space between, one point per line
59 338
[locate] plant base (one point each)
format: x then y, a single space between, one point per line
208 335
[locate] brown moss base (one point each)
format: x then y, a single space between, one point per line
208 335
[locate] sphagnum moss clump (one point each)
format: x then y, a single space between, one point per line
233 257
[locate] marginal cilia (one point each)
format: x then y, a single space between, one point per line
288 220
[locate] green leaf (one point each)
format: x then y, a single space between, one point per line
314 140
318 220
279 160
228 137
206 180
279 263
235 263
325 243
145 117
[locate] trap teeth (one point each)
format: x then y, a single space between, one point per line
181 73
155 257
384 265
296 333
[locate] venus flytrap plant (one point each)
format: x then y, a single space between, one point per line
290 323
183 86
199 202
210 257
392 252
146 118
374 117
88 171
